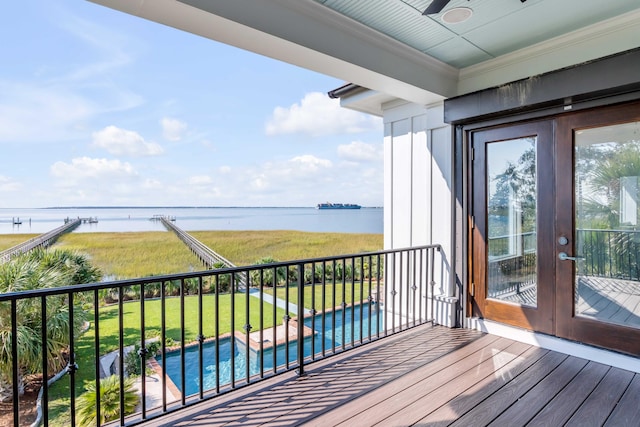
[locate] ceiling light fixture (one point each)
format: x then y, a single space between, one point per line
456 15
436 6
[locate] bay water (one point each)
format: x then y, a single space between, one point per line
125 219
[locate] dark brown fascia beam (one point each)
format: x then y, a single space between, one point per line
605 77
347 89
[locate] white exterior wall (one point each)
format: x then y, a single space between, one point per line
417 192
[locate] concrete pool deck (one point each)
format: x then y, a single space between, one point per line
280 303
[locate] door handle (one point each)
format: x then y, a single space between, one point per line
564 257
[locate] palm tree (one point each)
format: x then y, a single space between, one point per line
267 274
109 401
24 273
75 263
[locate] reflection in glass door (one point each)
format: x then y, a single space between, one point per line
607 224
511 221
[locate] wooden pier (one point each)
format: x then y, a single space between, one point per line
207 255
87 220
18 221
42 241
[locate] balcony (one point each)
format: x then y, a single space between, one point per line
372 352
433 376
181 330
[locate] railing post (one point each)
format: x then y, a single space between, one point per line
14 362
300 320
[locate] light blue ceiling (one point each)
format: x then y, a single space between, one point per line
497 27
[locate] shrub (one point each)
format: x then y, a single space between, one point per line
132 360
109 401
267 274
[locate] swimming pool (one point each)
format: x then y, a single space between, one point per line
333 321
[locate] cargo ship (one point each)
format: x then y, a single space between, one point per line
337 206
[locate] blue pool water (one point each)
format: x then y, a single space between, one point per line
333 322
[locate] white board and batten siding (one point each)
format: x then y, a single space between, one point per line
417 190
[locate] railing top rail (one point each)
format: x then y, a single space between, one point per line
608 230
504 236
195 274
601 230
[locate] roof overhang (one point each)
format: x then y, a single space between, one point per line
309 35
319 39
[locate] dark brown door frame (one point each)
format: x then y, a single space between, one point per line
564 322
568 325
540 318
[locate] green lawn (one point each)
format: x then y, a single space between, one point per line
352 294
109 333
131 255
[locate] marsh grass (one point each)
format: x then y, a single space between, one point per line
10 240
133 255
247 247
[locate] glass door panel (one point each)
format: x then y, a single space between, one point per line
607 224
512 221
512 234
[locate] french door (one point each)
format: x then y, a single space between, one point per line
555 230
512 227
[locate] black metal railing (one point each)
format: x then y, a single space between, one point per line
601 253
512 264
609 253
194 336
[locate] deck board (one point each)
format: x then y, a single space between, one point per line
596 409
429 402
565 403
627 412
527 406
499 401
419 386
431 376
468 399
404 390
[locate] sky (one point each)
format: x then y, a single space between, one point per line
100 108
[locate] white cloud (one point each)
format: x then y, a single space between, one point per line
302 180
200 180
173 129
82 169
40 112
318 115
125 142
359 151
7 184
152 184
311 163
306 171
87 180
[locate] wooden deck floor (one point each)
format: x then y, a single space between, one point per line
433 376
